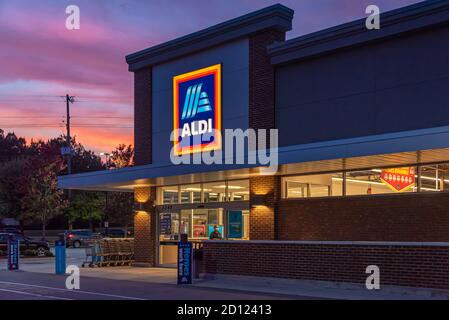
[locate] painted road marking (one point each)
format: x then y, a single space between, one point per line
34 294
74 291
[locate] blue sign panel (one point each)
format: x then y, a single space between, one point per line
235 223
165 224
197 111
13 254
185 256
60 259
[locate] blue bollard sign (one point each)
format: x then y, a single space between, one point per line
60 260
13 253
185 255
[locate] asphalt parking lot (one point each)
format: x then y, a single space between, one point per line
36 281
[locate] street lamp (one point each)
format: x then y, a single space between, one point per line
107 156
106 218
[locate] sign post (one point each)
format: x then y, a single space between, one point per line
13 253
235 223
60 259
185 255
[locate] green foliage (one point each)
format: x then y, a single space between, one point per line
86 205
122 156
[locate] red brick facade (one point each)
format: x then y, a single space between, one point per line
145 228
142 117
262 80
407 217
262 217
405 265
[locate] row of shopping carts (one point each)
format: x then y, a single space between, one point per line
109 252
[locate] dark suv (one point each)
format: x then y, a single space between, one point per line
80 238
26 243
117 233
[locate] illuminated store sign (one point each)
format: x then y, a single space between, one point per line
399 179
197 110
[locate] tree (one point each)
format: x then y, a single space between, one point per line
121 157
41 199
87 206
119 205
10 196
11 147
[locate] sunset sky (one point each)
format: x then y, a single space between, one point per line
41 61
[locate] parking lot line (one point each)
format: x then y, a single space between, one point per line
70 291
33 294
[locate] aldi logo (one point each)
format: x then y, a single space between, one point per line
197 111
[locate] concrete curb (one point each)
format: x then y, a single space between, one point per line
318 289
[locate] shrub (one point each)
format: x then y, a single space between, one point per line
29 253
49 254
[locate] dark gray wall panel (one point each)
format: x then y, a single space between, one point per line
396 85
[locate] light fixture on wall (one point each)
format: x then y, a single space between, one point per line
258 200
139 206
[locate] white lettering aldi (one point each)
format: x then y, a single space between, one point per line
197 111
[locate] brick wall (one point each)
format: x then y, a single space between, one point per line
405 265
409 217
262 218
261 80
145 229
261 116
142 117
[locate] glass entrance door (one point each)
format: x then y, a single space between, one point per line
200 223
168 238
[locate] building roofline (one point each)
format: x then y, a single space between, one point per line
392 23
276 16
388 143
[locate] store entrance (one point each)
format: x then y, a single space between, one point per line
199 225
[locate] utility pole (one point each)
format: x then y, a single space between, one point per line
68 100
68 150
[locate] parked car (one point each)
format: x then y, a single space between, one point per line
117 233
80 238
12 230
10 225
26 243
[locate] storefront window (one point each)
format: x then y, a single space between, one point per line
435 178
214 192
199 223
238 190
191 193
381 181
322 185
168 195
367 182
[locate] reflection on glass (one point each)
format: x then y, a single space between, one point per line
238 190
214 192
191 193
169 194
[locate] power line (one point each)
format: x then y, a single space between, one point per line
61 116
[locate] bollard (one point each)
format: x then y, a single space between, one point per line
60 258
13 253
185 263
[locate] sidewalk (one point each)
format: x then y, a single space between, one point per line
319 289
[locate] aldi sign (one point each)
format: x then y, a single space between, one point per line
197 111
399 179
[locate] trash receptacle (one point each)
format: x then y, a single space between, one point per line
197 262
